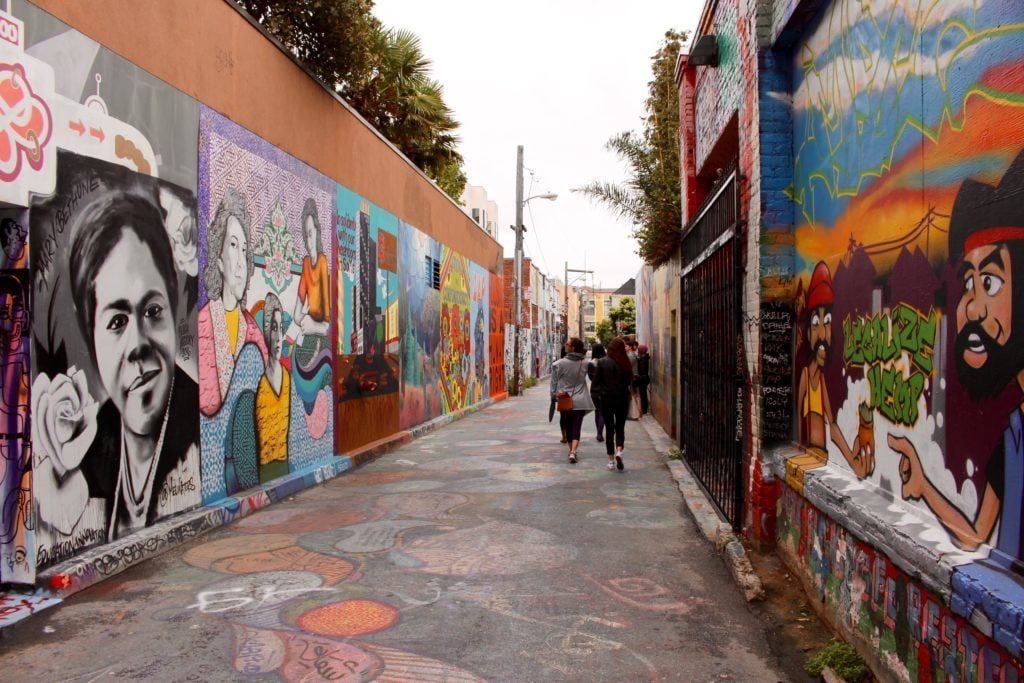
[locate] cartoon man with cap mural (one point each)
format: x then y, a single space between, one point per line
812 394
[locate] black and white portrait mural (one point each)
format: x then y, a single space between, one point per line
114 376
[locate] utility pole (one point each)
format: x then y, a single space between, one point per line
517 274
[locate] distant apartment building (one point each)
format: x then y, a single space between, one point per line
482 210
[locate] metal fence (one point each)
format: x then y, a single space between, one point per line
712 392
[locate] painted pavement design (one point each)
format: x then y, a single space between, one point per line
474 553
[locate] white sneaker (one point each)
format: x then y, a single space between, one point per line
611 465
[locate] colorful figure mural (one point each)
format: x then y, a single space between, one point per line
419 271
367 349
257 205
456 354
480 375
908 240
16 520
496 336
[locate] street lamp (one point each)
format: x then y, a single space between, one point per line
517 268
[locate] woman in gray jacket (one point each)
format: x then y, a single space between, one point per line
569 375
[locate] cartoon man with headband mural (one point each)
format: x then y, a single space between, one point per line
986 228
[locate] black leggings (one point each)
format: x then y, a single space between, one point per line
571 422
615 409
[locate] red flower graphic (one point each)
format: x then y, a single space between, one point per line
25 122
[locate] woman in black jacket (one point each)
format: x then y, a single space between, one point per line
613 376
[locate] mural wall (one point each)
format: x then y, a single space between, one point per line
496 335
910 244
909 628
188 312
368 321
419 325
265 387
663 295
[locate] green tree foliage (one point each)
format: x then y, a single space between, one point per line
650 197
332 38
403 102
381 72
605 331
623 316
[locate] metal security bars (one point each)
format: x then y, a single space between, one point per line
712 392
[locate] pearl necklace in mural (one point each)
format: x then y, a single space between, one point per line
136 505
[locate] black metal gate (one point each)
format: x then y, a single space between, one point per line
712 434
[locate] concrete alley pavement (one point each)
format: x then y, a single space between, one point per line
475 553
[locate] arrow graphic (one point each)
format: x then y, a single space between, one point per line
98 134
77 126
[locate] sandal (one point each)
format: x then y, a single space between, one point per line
572 458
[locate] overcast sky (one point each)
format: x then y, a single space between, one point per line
559 77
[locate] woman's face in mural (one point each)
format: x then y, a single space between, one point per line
309 232
984 314
234 264
275 336
133 335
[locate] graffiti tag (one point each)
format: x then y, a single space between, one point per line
880 342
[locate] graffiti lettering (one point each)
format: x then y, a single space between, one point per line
59 223
323 660
208 603
66 548
893 396
879 342
886 336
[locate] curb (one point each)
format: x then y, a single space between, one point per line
55 584
704 514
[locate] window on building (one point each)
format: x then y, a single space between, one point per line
476 215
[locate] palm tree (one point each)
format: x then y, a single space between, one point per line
407 106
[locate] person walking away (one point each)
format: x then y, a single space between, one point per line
596 354
633 412
612 379
643 377
569 376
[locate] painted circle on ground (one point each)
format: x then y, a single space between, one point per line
349 618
